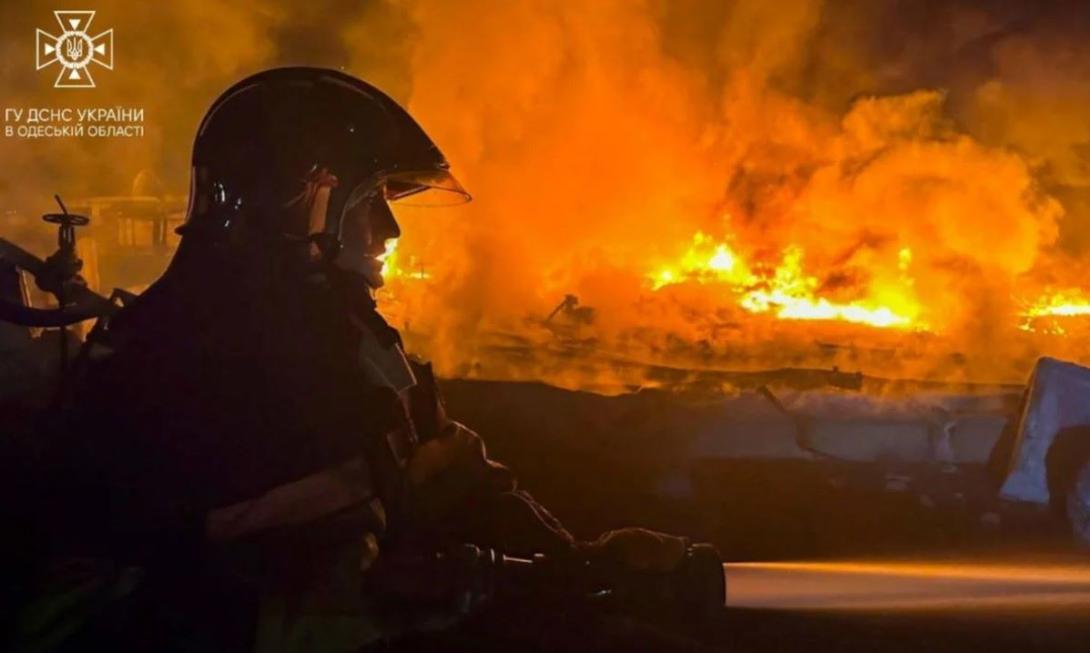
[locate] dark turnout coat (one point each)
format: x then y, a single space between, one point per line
227 444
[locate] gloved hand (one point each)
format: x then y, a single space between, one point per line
460 452
639 549
448 474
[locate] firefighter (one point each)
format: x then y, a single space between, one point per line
250 433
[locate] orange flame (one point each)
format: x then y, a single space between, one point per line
1068 303
1052 312
393 267
787 291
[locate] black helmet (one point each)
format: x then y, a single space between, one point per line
272 139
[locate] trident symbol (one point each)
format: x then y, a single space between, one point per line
73 48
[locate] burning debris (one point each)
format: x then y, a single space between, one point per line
1051 312
725 185
785 290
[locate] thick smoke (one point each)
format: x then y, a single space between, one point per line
599 137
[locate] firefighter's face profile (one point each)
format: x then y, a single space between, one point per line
365 231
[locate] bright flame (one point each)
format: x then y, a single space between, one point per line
705 260
1067 303
1045 314
394 268
826 196
788 292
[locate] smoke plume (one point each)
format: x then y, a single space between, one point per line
928 157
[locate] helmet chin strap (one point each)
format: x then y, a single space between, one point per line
356 230
319 186
325 250
305 213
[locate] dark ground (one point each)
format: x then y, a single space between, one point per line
595 462
592 463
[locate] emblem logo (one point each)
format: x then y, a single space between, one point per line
75 50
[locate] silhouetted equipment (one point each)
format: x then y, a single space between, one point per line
58 275
696 588
63 265
568 303
570 307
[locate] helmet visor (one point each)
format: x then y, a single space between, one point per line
424 188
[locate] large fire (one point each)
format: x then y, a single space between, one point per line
787 292
896 188
747 206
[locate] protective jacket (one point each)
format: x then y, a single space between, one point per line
265 459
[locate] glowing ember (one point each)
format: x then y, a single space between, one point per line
787 292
